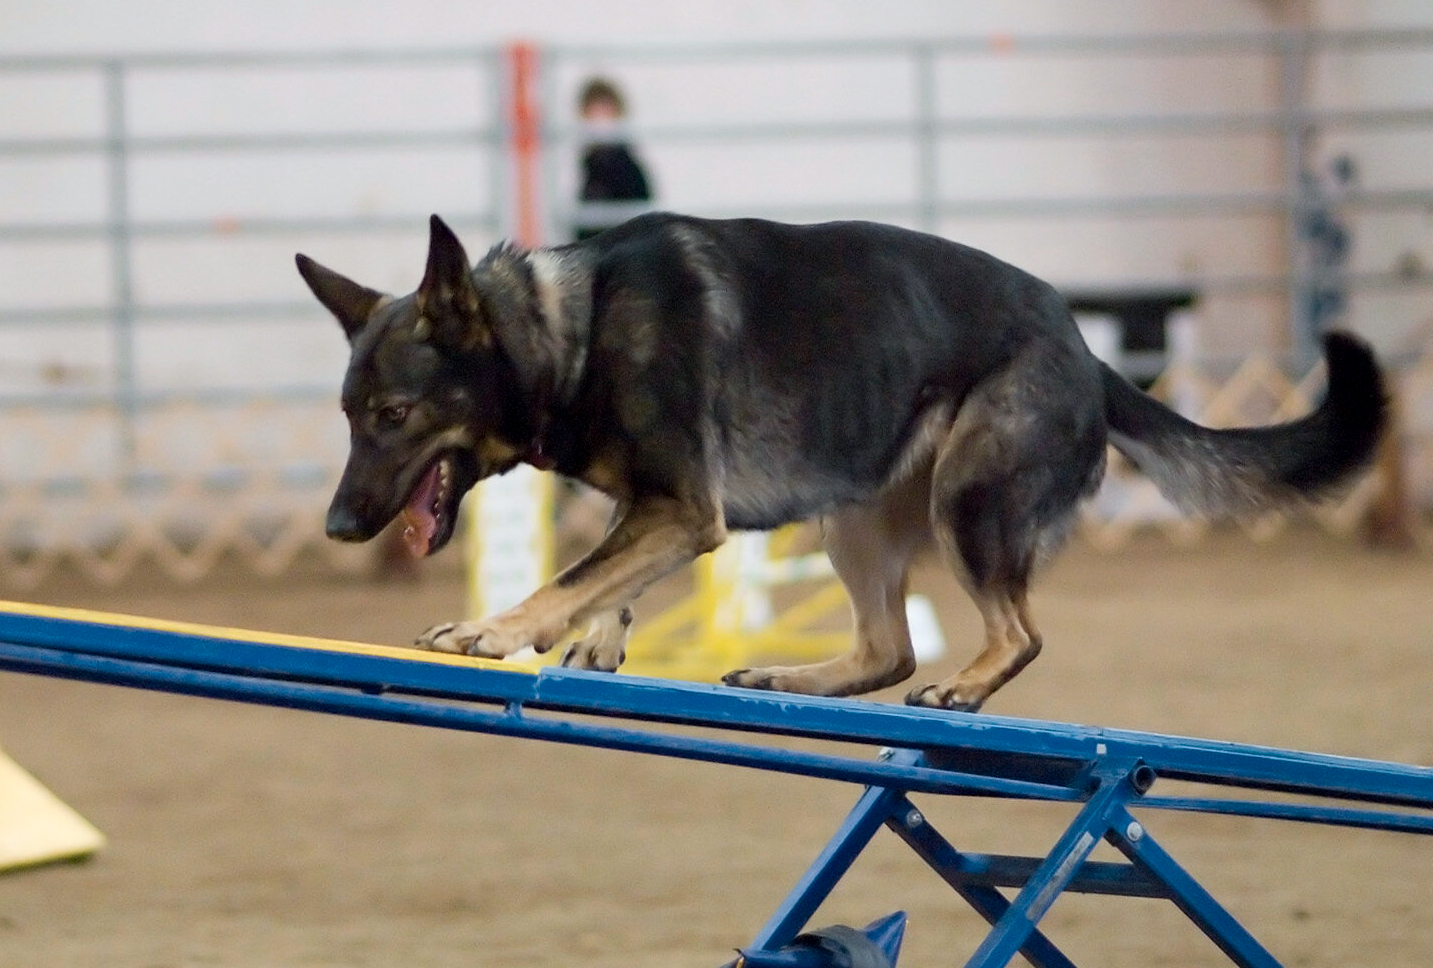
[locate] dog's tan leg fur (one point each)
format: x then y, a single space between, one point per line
653 538
1011 639
1011 643
871 547
604 647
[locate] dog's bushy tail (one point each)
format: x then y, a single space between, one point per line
1239 471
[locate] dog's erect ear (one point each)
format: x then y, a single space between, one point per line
343 297
447 297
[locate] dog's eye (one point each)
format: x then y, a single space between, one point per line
394 415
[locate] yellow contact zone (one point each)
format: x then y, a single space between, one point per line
258 638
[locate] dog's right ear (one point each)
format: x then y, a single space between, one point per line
349 302
447 297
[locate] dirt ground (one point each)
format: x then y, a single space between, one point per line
246 836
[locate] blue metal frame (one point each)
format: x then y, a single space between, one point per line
1107 772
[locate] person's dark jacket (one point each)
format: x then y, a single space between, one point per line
610 174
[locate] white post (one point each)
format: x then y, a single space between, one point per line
753 592
510 539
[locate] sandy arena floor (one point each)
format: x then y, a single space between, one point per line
244 836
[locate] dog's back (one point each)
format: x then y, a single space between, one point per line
818 359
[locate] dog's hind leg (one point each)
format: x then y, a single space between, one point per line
1010 645
1020 455
871 547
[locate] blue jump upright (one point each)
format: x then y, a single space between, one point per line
1108 773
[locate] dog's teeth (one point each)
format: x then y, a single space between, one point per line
444 479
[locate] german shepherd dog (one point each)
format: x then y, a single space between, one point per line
712 376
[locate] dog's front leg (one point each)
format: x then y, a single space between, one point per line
655 537
604 647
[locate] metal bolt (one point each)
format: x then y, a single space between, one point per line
914 819
1134 831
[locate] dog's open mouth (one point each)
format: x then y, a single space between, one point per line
426 515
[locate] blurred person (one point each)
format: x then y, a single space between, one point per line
610 169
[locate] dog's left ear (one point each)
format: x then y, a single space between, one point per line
447 299
346 299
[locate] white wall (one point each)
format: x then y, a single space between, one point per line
750 176
1393 158
103 26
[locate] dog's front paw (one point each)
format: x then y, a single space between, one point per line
493 639
807 680
604 648
594 654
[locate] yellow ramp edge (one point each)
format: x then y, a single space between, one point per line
260 638
37 827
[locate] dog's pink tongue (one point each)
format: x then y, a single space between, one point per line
419 523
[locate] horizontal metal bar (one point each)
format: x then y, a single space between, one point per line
988 44
1093 877
1363 117
1254 285
1182 204
786 130
1270 121
1173 206
223 480
52 146
1003 44
234 226
482 137
1223 285
1186 203
408 57
167 399
163 312
1304 812
218 311
371 703
258 141
1353 39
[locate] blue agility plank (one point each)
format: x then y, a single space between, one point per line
1106 771
982 744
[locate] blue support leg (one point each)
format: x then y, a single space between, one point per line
1130 837
860 825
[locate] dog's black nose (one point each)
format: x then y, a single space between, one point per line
342 524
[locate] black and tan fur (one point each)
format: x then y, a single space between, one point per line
712 376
